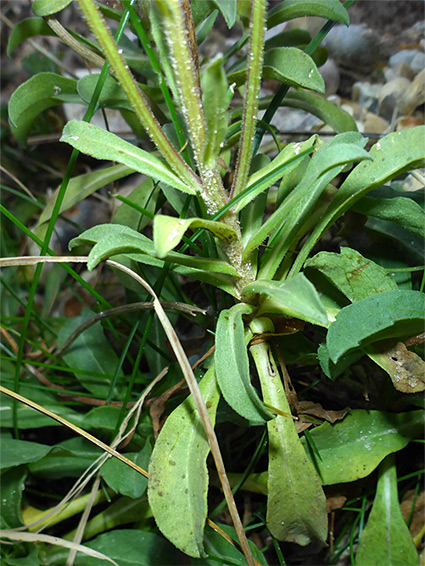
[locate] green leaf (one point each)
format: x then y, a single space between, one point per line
215 102
332 370
130 547
386 538
78 189
215 272
123 479
220 551
12 489
326 110
402 211
295 297
131 243
70 458
38 93
168 231
352 448
262 179
111 96
390 314
178 474
232 366
24 29
290 9
392 155
296 503
289 65
28 418
354 275
16 452
324 166
49 7
91 353
228 8
101 144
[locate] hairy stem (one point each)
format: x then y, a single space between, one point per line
136 97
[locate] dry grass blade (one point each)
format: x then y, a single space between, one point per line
200 404
73 427
30 537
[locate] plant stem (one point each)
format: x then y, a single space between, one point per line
252 88
135 95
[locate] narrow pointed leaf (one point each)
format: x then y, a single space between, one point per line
215 102
265 177
168 231
296 504
290 9
101 144
232 366
354 275
178 474
386 538
392 155
390 314
295 297
38 93
78 189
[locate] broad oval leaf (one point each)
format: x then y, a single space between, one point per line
101 144
90 355
178 474
142 548
289 65
354 275
295 297
24 29
232 366
49 7
390 314
296 503
15 452
168 231
38 93
352 448
123 479
228 8
386 538
403 211
290 9
111 96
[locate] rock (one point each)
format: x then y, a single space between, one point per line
366 94
374 124
414 95
418 62
403 56
357 47
330 74
391 97
406 122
